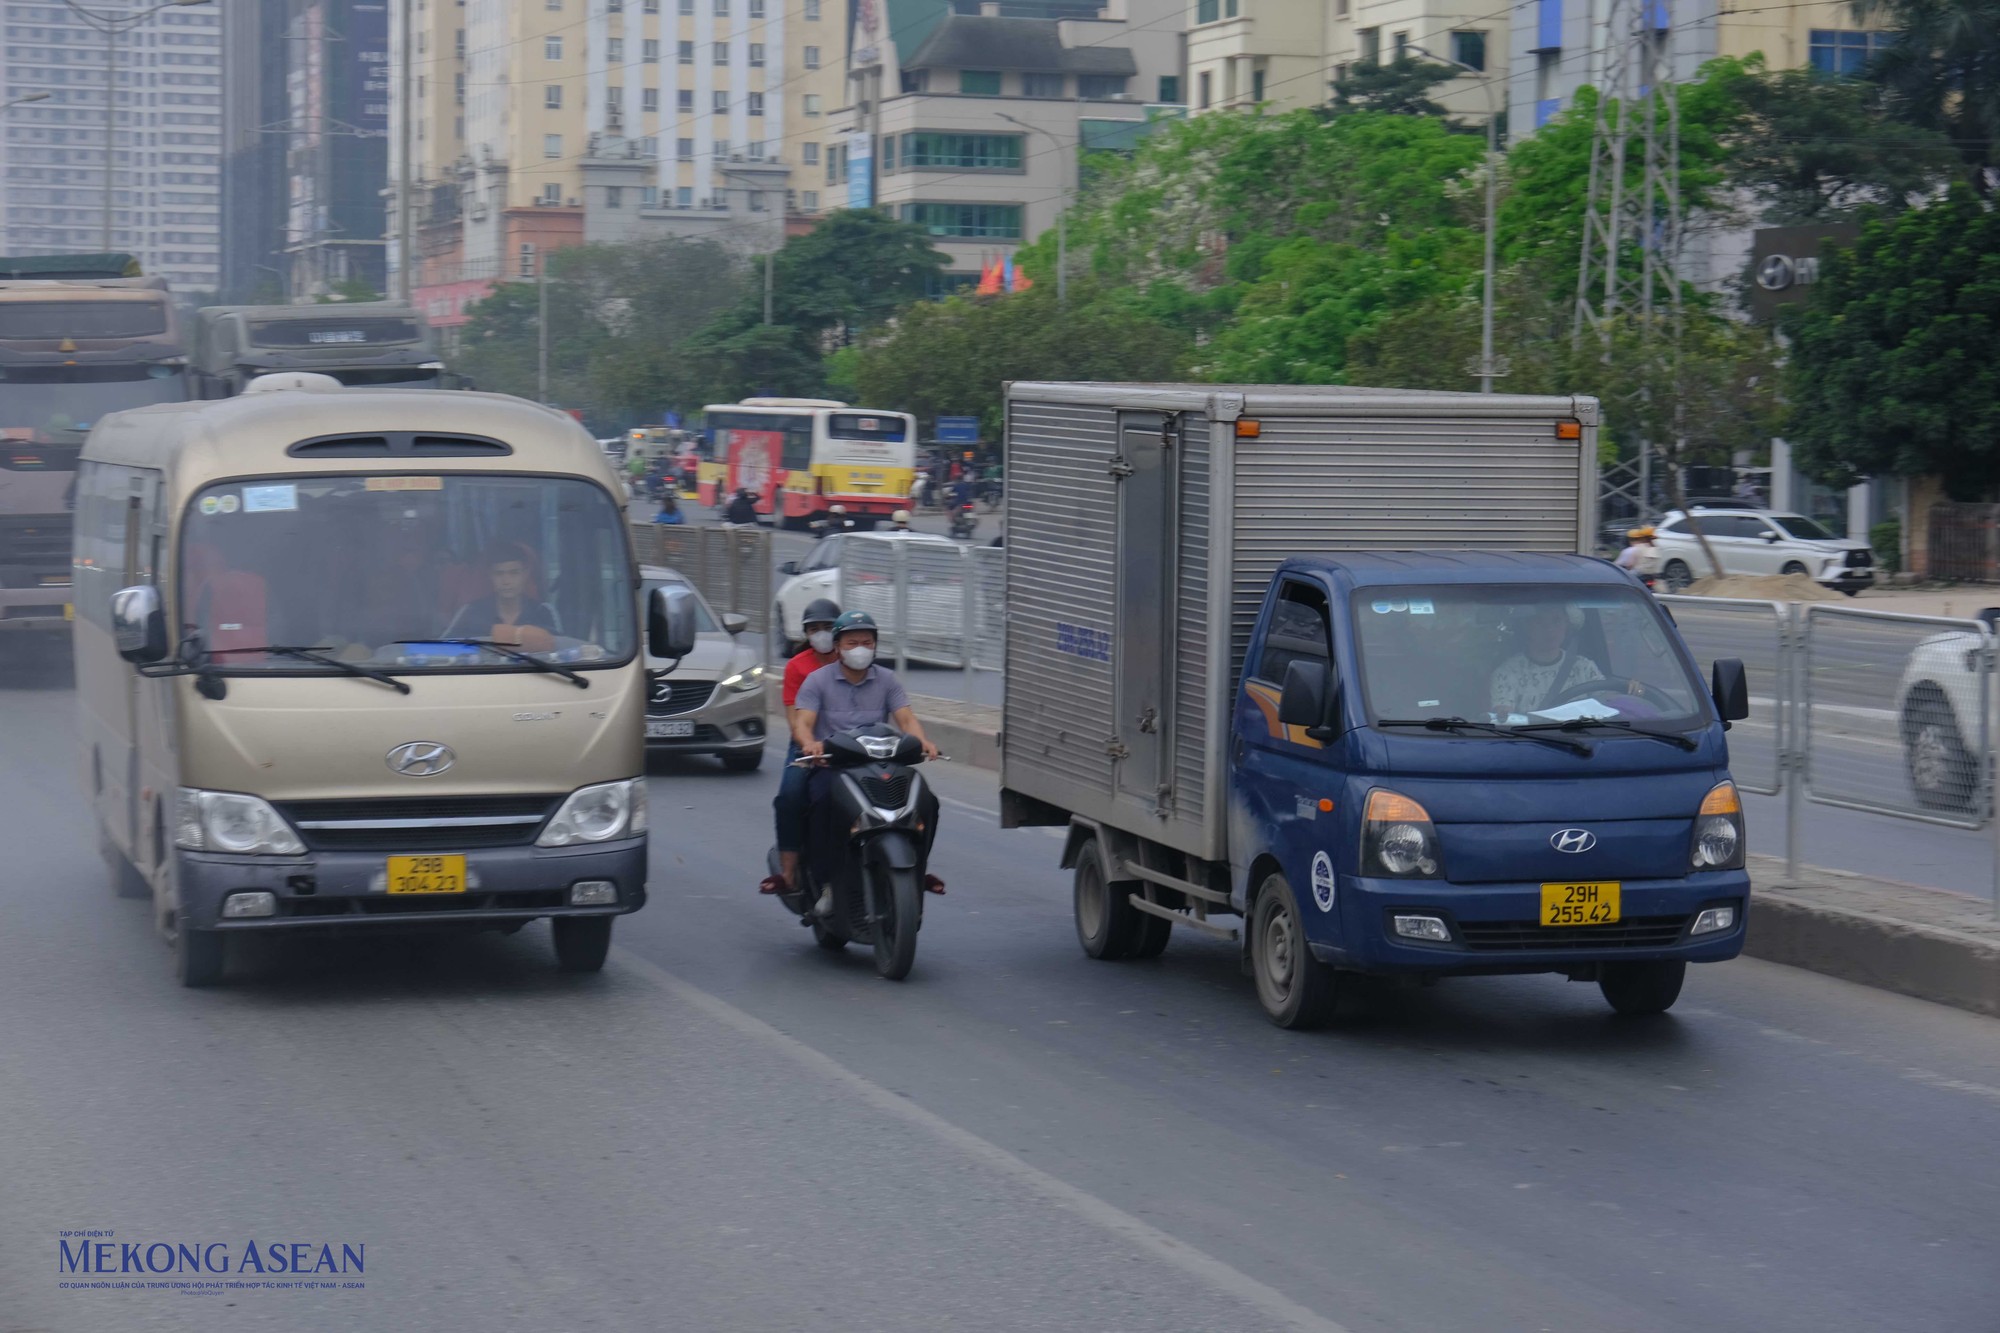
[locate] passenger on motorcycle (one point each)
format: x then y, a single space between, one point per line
852 692
789 805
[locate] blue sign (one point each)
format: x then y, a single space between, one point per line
673 419
958 430
1083 641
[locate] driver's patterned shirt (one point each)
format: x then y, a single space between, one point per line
1521 684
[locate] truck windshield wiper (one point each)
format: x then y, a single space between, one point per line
1485 728
1616 724
324 659
506 650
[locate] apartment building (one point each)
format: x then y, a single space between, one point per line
543 123
968 119
166 164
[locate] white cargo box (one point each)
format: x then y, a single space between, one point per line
1144 522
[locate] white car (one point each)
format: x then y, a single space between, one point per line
935 609
1937 711
1759 541
712 701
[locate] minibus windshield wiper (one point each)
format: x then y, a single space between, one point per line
324 659
1486 728
1616 724
507 650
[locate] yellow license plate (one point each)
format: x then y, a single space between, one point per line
69 610
427 874
1588 904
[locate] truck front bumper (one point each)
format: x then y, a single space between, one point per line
350 888
1495 928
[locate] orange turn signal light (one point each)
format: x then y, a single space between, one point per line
1569 430
1722 800
1248 428
1388 807
1325 806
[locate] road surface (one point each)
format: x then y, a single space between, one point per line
731 1129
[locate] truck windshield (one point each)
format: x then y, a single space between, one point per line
1520 654
386 571
58 402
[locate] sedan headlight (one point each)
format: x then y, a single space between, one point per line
227 821
598 813
744 681
1720 839
1397 838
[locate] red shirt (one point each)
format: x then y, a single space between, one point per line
801 666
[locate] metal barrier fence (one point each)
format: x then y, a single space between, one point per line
1760 633
729 566
936 603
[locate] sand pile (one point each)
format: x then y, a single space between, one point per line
1764 588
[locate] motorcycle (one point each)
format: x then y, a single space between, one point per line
880 875
963 524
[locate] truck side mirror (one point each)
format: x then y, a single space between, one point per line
1730 689
139 624
670 623
1308 695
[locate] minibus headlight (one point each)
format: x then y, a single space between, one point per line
598 814
1719 835
227 821
1397 838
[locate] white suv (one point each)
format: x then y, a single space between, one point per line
1759 541
1937 711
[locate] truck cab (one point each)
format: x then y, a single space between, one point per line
1459 762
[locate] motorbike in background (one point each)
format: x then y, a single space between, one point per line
963 524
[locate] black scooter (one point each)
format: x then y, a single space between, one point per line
871 840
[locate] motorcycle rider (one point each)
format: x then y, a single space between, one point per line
789 806
742 508
854 691
899 521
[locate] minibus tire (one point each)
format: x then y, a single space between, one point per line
1638 989
1295 988
126 882
199 957
581 942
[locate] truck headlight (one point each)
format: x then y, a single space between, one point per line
227 821
598 813
1719 836
1397 838
744 681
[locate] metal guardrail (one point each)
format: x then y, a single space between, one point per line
730 566
1761 634
936 603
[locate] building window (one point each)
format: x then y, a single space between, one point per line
755 103
718 101
1256 87
959 152
720 54
1833 52
552 48
552 193
1469 49
552 5
615 6
686 8
1206 11
809 200
1099 87
916 80
1205 81
722 9
552 147
812 11
721 147
756 201
527 259
810 57
614 196
458 44
979 82
1340 8
684 149
686 53
458 88
1369 42
756 9
552 97
649 99
683 196
652 7
1170 89
649 51
811 103
998 222
684 101
756 55
614 49
1402 47
649 196
1041 85
809 154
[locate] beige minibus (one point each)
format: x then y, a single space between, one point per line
357 659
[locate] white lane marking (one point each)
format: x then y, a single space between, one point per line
966 806
1195 1263
1929 1079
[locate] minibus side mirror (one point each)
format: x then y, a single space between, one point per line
734 623
139 624
1310 699
670 623
1730 689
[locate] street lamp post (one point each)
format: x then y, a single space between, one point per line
23 100
1488 372
1062 216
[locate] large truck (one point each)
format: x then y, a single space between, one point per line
80 336
363 344
1325 672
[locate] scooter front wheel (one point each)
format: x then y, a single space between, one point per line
898 912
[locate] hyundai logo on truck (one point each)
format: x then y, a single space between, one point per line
1572 840
421 759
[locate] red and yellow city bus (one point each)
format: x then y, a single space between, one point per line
801 456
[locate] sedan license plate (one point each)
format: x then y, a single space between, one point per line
427 874
669 730
1587 904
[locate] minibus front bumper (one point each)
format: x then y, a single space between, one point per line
1495 928
349 888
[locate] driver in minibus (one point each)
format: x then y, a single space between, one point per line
508 615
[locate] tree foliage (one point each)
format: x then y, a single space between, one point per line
1942 69
1812 146
1399 88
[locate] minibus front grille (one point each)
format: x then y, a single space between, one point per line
1638 932
419 824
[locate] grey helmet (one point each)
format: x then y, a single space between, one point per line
821 611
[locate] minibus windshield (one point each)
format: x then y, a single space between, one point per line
1521 655
406 573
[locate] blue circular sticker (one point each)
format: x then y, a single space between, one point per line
1322 878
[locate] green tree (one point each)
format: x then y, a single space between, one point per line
1895 362
1812 146
1399 88
1942 69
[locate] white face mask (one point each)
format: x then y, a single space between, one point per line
821 640
858 658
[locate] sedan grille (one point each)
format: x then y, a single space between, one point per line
667 696
1860 559
1639 932
419 824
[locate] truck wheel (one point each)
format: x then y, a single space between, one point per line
1149 934
581 942
1295 988
1105 921
126 882
1678 575
199 956
1942 774
1642 988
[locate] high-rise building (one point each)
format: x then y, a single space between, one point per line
163 70
336 137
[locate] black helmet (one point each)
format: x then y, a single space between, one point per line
853 620
820 612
